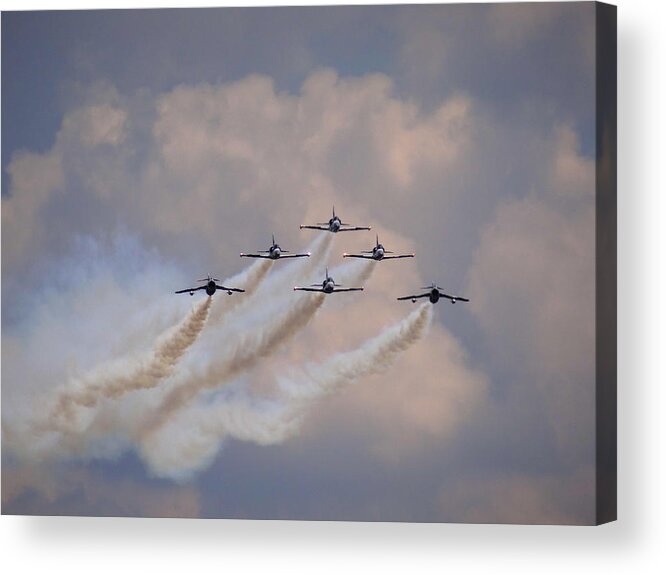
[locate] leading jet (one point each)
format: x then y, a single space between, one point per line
434 294
275 252
335 225
327 286
211 287
377 253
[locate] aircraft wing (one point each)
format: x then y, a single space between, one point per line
190 290
282 256
360 256
229 289
308 289
355 229
398 257
255 256
325 228
413 296
348 289
453 297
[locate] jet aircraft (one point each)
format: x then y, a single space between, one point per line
275 252
434 294
335 225
211 287
377 253
327 286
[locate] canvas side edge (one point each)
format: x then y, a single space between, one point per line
606 263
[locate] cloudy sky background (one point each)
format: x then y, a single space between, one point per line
144 149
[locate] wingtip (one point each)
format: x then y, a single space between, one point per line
309 254
302 226
344 255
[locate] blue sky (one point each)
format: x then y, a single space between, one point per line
142 149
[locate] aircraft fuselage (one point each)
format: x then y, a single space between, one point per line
328 285
378 252
434 295
334 224
275 252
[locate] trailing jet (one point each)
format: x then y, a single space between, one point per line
377 253
275 252
211 287
327 286
434 294
335 225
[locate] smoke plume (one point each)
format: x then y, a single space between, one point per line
257 296
249 279
116 379
247 329
242 352
192 438
245 349
375 355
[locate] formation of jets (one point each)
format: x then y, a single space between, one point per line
328 286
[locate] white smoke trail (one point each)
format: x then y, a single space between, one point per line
129 374
74 401
75 428
246 349
188 443
191 440
249 279
375 355
356 272
241 353
290 271
271 297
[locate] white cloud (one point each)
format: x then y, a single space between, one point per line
41 182
96 125
348 138
34 178
230 153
